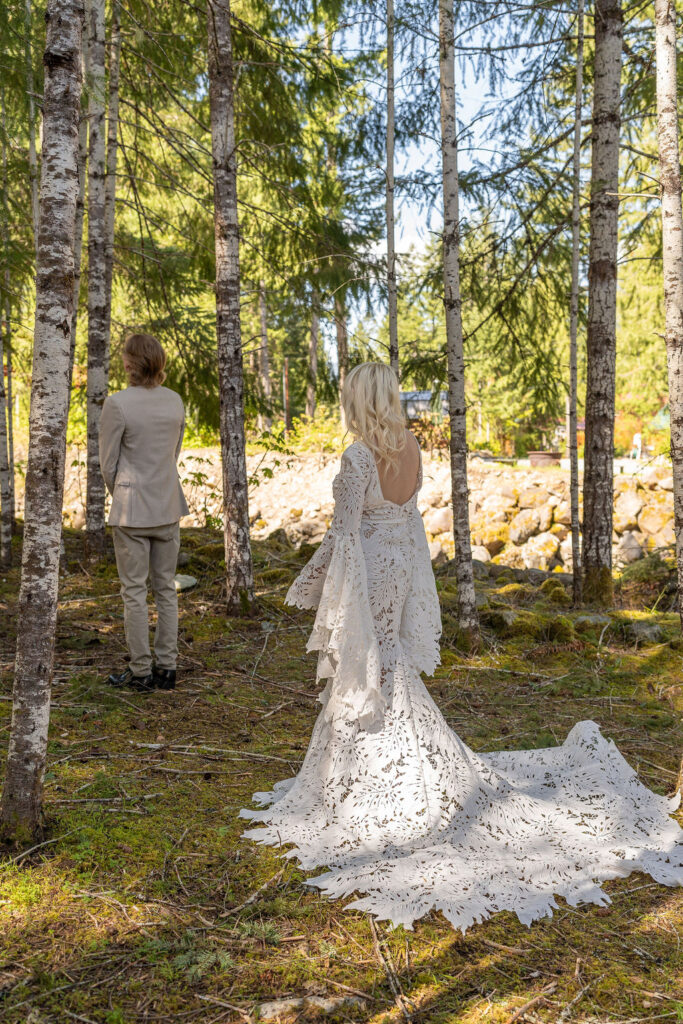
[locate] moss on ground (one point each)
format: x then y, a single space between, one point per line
147 906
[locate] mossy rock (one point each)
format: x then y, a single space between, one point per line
555 592
306 551
558 629
517 593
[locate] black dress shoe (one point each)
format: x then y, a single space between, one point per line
128 679
164 678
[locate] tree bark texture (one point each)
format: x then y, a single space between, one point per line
239 570
80 211
264 358
22 793
574 317
467 607
112 152
98 354
342 341
313 357
602 304
672 249
30 92
391 242
6 510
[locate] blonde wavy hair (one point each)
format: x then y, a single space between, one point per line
372 411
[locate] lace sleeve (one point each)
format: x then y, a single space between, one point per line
421 618
335 580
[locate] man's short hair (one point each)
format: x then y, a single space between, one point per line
147 360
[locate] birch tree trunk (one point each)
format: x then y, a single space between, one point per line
598 478
467 606
20 812
264 358
342 341
110 179
78 230
6 515
30 91
10 436
6 510
391 250
239 570
313 357
672 250
574 317
98 355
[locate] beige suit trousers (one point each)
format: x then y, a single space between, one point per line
142 552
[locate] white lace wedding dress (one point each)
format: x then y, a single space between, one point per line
392 801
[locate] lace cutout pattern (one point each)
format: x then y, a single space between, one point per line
389 798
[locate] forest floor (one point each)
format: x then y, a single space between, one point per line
144 904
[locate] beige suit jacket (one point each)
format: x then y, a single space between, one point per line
141 434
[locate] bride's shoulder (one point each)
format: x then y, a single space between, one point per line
358 457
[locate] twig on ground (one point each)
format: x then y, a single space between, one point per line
384 958
536 1001
567 1011
254 896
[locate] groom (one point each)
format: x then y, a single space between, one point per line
141 433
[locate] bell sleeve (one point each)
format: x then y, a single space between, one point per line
420 628
335 582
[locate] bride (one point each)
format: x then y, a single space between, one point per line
389 798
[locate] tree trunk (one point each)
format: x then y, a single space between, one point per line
98 354
391 251
6 511
313 357
10 437
239 570
672 250
574 318
264 358
20 813
5 489
30 90
110 180
467 606
601 344
80 211
342 341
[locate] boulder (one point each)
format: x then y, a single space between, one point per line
492 536
565 551
545 517
438 520
511 556
539 551
667 484
481 553
434 497
437 553
533 497
666 537
524 525
591 621
628 549
626 509
657 514
652 475
185 582
498 505
563 513
643 632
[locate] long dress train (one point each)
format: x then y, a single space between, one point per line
391 800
